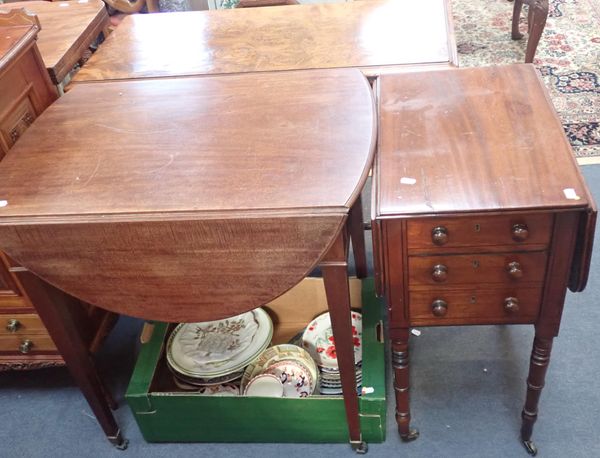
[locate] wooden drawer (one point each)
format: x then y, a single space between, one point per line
476 231
470 269
21 324
475 306
39 343
15 123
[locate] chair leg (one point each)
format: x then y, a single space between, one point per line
538 16
516 35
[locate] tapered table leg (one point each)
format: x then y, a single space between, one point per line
335 278
400 365
540 358
357 236
53 308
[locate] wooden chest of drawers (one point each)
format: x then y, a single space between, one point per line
26 89
480 213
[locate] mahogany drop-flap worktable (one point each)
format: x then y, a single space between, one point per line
189 199
481 215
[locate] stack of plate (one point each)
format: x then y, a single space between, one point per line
217 352
281 371
318 340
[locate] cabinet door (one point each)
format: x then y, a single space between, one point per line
10 294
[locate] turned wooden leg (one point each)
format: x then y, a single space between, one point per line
516 35
540 358
54 308
357 236
538 14
337 290
400 359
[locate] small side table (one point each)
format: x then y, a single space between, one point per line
481 213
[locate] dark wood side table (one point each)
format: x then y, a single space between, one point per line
174 222
481 215
68 29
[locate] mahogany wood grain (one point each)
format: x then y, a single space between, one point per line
475 172
370 35
482 230
476 268
68 29
475 305
244 210
335 278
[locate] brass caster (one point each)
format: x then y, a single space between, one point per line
360 447
119 441
530 447
411 436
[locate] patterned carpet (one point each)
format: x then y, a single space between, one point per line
568 58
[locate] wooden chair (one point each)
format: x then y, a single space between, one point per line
536 21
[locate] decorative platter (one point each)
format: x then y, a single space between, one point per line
213 349
319 342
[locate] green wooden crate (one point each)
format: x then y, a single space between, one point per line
165 415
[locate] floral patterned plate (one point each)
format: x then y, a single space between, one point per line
295 377
318 340
215 348
282 352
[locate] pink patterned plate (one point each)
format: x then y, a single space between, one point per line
295 377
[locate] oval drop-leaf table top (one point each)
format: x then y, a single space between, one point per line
187 199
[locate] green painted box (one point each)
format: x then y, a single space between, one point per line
166 414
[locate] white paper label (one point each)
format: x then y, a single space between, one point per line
407 180
571 194
3 203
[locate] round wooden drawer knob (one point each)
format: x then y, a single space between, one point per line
439 273
439 235
514 270
13 325
439 308
520 232
511 305
26 346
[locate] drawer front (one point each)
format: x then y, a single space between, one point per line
438 234
452 270
26 344
474 306
21 324
15 123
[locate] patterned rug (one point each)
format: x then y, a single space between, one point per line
568 58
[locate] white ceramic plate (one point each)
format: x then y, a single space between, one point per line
264 385
318 340
216 348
